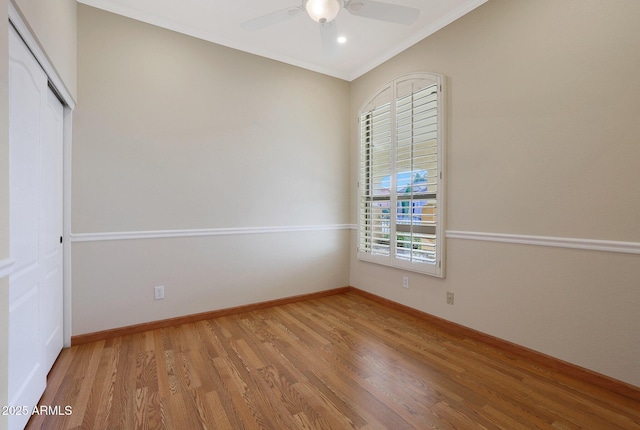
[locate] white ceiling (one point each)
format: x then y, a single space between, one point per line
297 40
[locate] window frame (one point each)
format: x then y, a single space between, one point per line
391 93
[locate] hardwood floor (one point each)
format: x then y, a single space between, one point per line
336 362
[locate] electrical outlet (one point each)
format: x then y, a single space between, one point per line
449 298
158 292
405 281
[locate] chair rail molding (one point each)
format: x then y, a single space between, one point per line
160 234
557 242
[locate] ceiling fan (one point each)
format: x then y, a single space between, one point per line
325 11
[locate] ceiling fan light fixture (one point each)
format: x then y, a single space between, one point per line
322 10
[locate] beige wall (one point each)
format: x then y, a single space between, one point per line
174 133
54 24
113 280
543 131
4 207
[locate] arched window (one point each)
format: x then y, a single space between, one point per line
401 186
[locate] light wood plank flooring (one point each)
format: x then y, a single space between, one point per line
336 362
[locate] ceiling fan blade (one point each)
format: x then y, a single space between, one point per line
383 11
271 18
329 35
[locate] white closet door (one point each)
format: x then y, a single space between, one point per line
51 316
35 284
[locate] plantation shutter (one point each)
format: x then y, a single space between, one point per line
400 184
375 210
417 164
